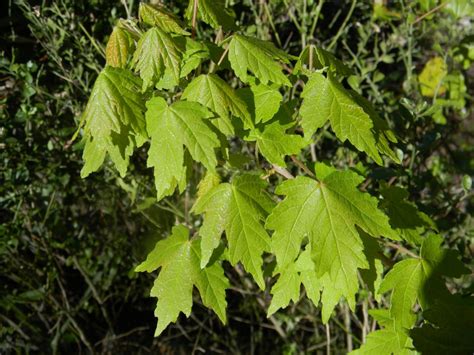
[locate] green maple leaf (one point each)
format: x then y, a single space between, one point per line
327 211
373 275
214 93
275 143
267 100
238 208
383 134
263 101
194 53
159 16
315 57
406 279
179 260
384 342
404 215
213 12
119 47
172 127
157 50
420 279
114 120
450 327
248 53
287 288
326 99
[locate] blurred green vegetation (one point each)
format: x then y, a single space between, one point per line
68 246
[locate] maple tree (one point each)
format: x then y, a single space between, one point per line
188 99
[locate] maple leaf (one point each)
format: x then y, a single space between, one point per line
194 53
214 93
450 327
372 276
287 287
178 258
274 142
172 127
159 16
383 342
327 211
382 133
326 99
157 50
420 279
314 57
212 12
249 53
263 101
114 120
238 208
118 48
404 215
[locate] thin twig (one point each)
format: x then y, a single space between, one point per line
15 326
347 324
94 293
302 166
432 11
328 340
365 315
221 59
341 29
194 20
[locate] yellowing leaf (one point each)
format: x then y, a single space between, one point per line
212 12
118 48
431 77
159 16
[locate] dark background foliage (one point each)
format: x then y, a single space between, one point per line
68 246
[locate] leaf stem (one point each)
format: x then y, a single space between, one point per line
221 59
402 249
302 166
194 20
282 171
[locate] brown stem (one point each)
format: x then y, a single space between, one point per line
402 249
221 59
302 166
194 20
